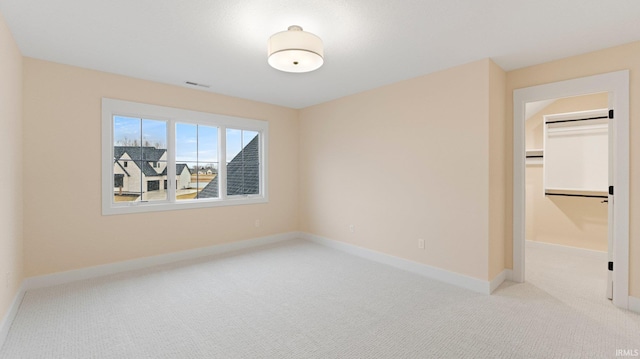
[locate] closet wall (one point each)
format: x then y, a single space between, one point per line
569 221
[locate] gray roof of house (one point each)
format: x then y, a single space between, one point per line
179 168
146 153
243 173
141 156
147 169
210 190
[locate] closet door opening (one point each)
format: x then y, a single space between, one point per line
567 176
616 87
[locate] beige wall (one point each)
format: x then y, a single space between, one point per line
11 179
497 168
64 228
608 60
407 161
569 221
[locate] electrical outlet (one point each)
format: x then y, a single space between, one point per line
421 243
352 228
256 223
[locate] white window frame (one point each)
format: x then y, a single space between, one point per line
112 107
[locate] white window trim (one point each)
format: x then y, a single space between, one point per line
111 107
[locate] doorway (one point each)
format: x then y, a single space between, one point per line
566 186
616 85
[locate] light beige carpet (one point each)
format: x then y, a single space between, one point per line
301 300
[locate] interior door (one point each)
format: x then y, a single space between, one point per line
610 219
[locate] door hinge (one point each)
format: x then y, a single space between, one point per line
610 113
611 266
611 190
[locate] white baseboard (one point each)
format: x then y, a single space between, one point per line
459 280
499 279
634 304
574 250
141 263
11 314
509 274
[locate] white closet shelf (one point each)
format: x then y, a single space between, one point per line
576 193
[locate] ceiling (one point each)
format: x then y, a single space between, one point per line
368 43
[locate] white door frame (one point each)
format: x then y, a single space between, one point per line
616 84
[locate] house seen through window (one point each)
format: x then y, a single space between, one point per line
143 143
176 162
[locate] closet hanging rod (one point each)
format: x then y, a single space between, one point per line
576 195
579 119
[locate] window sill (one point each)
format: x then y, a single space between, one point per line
138 207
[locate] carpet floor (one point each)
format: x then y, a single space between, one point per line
298 299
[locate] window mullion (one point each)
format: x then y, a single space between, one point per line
242 164
140 162
171 161
222 167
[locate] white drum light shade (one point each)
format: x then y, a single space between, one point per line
295 50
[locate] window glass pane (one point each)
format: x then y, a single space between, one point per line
154 159
186 143
207 179
139 161
248 136
234 143
126 175
154 135
197 160
207 162
126 131
243 164
207 144
186 176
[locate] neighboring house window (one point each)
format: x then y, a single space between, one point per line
168 145
118 180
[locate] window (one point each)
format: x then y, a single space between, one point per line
213 160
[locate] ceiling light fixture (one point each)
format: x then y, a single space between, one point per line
295 50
